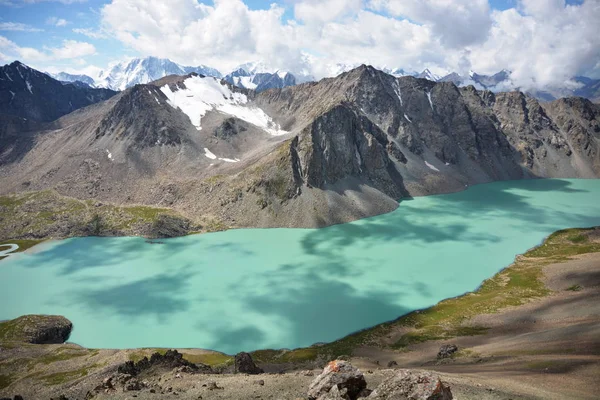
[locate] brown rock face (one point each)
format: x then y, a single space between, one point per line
340 377
414 385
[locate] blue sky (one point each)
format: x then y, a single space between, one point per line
57 29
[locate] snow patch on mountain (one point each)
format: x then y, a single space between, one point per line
203 94
430 166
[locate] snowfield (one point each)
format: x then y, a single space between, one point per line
205 94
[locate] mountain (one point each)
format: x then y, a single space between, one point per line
427 74
308 155
259 77
497 82
73 78
144 70
31 94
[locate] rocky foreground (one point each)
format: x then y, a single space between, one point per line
530 332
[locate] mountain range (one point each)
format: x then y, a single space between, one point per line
308 155
258 76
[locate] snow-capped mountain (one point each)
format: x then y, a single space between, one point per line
73 78
144 70
427 74
258 76
499 81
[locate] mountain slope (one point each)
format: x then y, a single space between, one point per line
27 93
309 155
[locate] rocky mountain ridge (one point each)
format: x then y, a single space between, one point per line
31 94
308 155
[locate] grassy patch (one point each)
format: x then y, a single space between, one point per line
465 353
211 359
46 214
5 381
137 355
60 355
65 377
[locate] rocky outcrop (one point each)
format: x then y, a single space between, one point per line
414 385
447 350
167 226
244 364
37 329
171 359
342 143
341 377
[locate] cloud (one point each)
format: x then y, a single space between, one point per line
70 49
319 11
455 23
56 21
21 2
544 42
91 33
17 26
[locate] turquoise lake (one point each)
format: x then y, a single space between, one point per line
248 289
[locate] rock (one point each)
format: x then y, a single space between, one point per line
245 365
447 351
166 226
212 385
133 384
339 374
171 359
37 329
414 385
260 382
392 364
335 394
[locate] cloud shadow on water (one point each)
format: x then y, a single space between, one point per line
156 295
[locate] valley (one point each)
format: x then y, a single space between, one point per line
139 214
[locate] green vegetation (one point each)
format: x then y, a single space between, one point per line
23 244
212 359
5 381
575 288
47 214
60 355
67 376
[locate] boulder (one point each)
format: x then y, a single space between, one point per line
37 329
245 365
415 385
339 374
447 350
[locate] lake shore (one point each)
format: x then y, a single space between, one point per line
540 344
